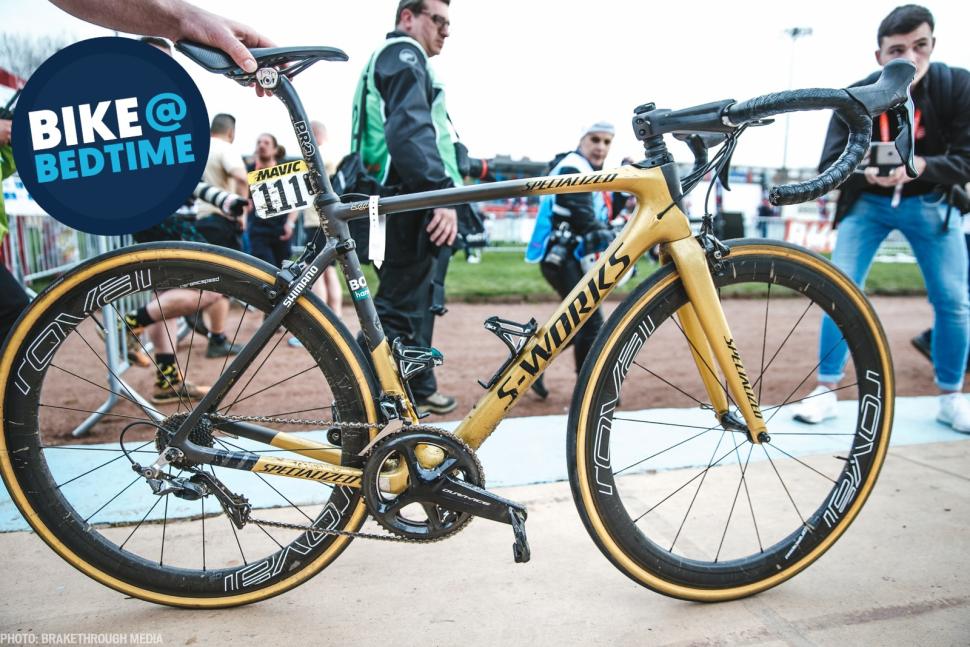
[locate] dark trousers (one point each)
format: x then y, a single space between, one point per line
13 301
219 231
403 303
268 247
563 278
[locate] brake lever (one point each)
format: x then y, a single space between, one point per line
906 139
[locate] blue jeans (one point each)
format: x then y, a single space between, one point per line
942 259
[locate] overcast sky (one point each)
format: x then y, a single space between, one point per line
523 76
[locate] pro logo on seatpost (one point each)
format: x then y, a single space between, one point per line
110 136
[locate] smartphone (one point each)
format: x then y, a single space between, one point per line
884 156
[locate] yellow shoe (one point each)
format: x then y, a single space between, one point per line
170 387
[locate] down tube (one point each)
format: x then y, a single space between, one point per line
552 337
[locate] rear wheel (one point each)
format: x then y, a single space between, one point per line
696 511
82 497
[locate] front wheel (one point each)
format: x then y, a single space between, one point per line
696 511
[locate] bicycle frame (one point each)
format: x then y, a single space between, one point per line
657 220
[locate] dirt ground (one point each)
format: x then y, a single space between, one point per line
288 383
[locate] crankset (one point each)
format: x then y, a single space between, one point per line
440 499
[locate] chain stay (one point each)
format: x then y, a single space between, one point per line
218 417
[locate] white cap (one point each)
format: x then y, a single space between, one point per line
598 127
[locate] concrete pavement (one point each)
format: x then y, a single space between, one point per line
898 577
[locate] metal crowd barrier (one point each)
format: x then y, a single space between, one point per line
36 250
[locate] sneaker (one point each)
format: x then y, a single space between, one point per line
225 349
436 403
195 321
955 412
174 389
922 343
136 351
293 342
818 406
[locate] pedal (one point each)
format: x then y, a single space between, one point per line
513 335
414 360
520 549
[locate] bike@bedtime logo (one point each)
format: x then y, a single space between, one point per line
110 136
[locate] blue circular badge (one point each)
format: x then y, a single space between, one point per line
110 136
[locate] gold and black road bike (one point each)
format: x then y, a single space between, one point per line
211 503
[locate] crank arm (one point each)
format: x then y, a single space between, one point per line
461 496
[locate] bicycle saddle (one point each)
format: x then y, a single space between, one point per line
298 58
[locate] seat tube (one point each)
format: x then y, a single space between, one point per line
691 263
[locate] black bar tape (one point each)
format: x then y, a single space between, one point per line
851 111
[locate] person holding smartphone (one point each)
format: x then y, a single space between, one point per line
873 204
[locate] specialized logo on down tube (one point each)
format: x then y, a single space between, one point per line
110 136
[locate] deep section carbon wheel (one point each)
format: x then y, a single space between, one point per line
695 510
80 494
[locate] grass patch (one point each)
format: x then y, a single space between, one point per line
503 275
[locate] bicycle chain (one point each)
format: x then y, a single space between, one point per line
330 424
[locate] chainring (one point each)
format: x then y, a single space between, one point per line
409 514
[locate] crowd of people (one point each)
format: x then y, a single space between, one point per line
406 139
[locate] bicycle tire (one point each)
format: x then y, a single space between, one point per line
619 479
56 513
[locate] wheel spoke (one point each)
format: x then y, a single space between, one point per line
747 495
783 485
143 407
685 484
670 384
757 382
131 331
93 469
697 491
154 505
196 317
175 351
253 376
804 379
678 444
202 501
764 342
122 491
100 413
734 502
235 334
809 397
268 484
306 370
709 368
232 526
801 462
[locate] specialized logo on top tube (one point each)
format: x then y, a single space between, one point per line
570 180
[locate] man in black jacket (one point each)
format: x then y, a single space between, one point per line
873 205
403 133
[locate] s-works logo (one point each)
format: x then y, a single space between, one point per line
110 136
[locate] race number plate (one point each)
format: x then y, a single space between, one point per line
279 189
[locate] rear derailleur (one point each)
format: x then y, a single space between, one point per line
195 487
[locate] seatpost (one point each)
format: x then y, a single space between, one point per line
319 181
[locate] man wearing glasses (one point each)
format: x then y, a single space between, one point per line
572 228
405 138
